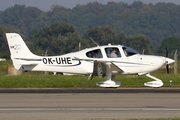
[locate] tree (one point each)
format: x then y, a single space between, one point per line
121 38
170 44
4 49
58 38
102 34
139 43
155 21
61 28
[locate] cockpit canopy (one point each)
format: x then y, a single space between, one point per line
111 52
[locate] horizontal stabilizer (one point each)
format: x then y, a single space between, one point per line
29 64
28 61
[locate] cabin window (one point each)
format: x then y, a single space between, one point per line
129 51
94 54
112 52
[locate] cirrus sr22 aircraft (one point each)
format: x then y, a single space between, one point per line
108 60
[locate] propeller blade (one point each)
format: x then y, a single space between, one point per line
167 68
167 49
167 64
168 61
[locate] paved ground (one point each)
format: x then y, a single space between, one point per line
35 104
92 90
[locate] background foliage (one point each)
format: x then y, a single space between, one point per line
138 25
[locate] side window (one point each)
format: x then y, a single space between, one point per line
94 54
112 52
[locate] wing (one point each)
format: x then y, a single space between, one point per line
102 68
116 68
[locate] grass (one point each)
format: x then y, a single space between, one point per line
38 79
81 80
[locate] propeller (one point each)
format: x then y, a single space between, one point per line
167 65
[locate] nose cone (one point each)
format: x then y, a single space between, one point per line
169 61
159 62
152 63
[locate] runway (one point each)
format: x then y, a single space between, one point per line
92 90
55 106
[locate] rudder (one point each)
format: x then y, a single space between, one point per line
20 53
17 46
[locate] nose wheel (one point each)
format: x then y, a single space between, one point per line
156 84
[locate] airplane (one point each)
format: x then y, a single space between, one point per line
108 60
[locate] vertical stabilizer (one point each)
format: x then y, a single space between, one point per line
20 53
17 46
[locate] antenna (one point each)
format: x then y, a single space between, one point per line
143 51
93 41
79 46
46 53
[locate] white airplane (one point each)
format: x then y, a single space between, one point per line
109 60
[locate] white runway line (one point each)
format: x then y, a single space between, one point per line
89 109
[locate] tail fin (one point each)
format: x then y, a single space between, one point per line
17 46
20 54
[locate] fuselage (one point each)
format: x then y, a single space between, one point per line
82 62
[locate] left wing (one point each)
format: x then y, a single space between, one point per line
104 68
116 68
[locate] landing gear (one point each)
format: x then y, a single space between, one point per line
110 82
156 84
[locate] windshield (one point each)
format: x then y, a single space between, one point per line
129 51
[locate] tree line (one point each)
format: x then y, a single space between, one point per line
156 21
60 38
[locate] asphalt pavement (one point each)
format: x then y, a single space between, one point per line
88 106
92 90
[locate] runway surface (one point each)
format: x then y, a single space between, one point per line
92 90
55 106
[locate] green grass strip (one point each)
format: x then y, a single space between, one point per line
81 80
